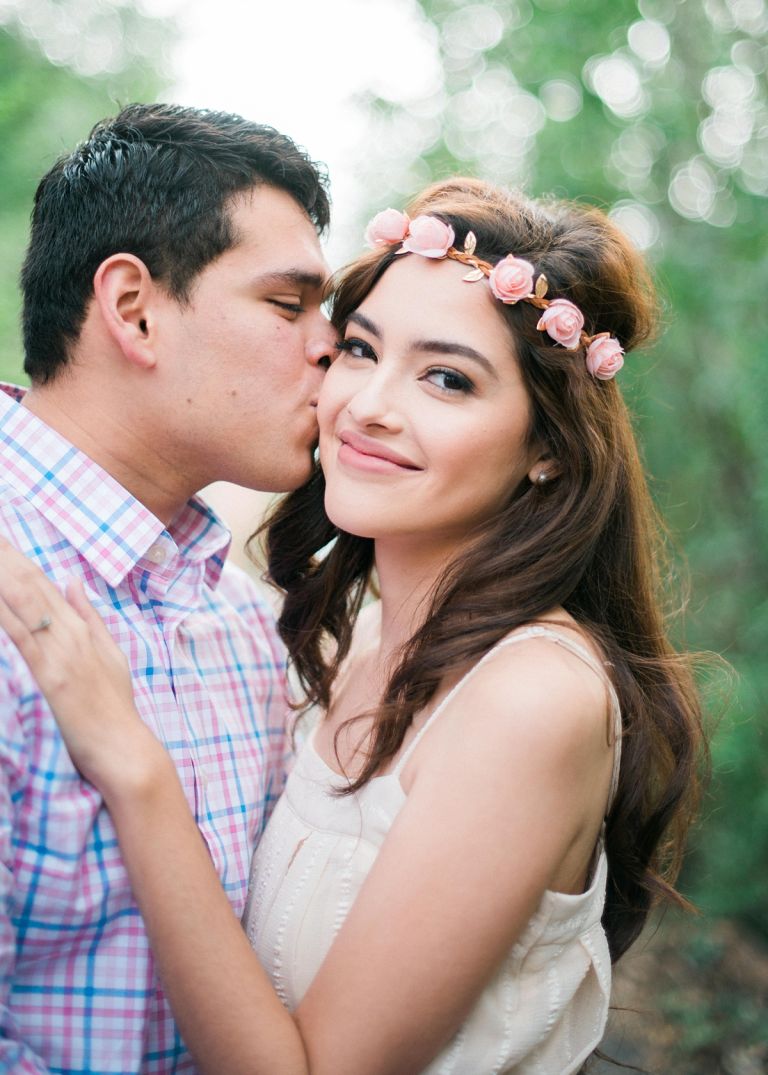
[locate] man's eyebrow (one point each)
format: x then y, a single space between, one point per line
292 278
431 347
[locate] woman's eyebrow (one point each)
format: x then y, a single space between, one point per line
360 319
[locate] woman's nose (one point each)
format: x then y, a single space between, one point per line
376 402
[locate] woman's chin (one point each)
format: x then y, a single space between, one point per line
354 526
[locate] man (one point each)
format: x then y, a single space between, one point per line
173 336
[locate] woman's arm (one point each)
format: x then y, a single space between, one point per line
491 815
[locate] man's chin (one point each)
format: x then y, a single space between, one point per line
287 481
302 478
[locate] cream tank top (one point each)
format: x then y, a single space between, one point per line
545 1010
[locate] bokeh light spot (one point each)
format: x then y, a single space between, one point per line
474 28
649 40
615 80
692 189
638 222
562 99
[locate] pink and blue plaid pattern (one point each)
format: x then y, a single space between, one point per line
78 990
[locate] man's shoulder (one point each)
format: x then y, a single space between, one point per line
241 589
26 527
20 522
11 500
11 393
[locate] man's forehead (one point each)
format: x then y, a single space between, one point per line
274 234
278 209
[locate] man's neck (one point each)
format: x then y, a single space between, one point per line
116 444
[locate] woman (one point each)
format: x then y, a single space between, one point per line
500 785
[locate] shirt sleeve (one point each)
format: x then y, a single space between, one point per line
16 1057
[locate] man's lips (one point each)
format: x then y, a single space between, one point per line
358 444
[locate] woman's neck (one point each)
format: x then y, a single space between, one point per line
407 574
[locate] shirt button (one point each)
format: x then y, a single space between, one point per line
156 554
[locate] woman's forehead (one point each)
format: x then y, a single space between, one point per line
416 291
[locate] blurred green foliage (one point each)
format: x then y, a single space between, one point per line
657 111
47 107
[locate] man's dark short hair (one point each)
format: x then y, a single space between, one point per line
155 181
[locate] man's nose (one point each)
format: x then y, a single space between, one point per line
321 343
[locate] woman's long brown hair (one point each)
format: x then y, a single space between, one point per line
588 541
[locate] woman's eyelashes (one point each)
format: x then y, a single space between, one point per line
449 381
356 348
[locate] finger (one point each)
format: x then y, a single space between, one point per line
28 592
100 636
55 655
23 639
21 596
76 596
26 615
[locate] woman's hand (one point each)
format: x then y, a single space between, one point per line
81 672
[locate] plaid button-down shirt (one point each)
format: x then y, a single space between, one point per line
78 991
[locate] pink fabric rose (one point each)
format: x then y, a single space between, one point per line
511 279
387 227
429 237
604 357
563 322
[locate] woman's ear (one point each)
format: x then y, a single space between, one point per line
543 470
124 292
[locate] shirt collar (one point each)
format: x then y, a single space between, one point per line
108 526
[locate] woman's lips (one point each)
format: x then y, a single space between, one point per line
367 453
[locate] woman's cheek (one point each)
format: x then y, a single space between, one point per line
332 399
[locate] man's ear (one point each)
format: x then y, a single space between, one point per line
125 294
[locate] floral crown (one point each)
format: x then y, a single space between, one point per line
511 280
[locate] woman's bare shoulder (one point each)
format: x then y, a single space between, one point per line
533 677
534 697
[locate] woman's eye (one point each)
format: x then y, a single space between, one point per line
356 348
449 380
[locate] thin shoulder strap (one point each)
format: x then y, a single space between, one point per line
614 729
537 631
